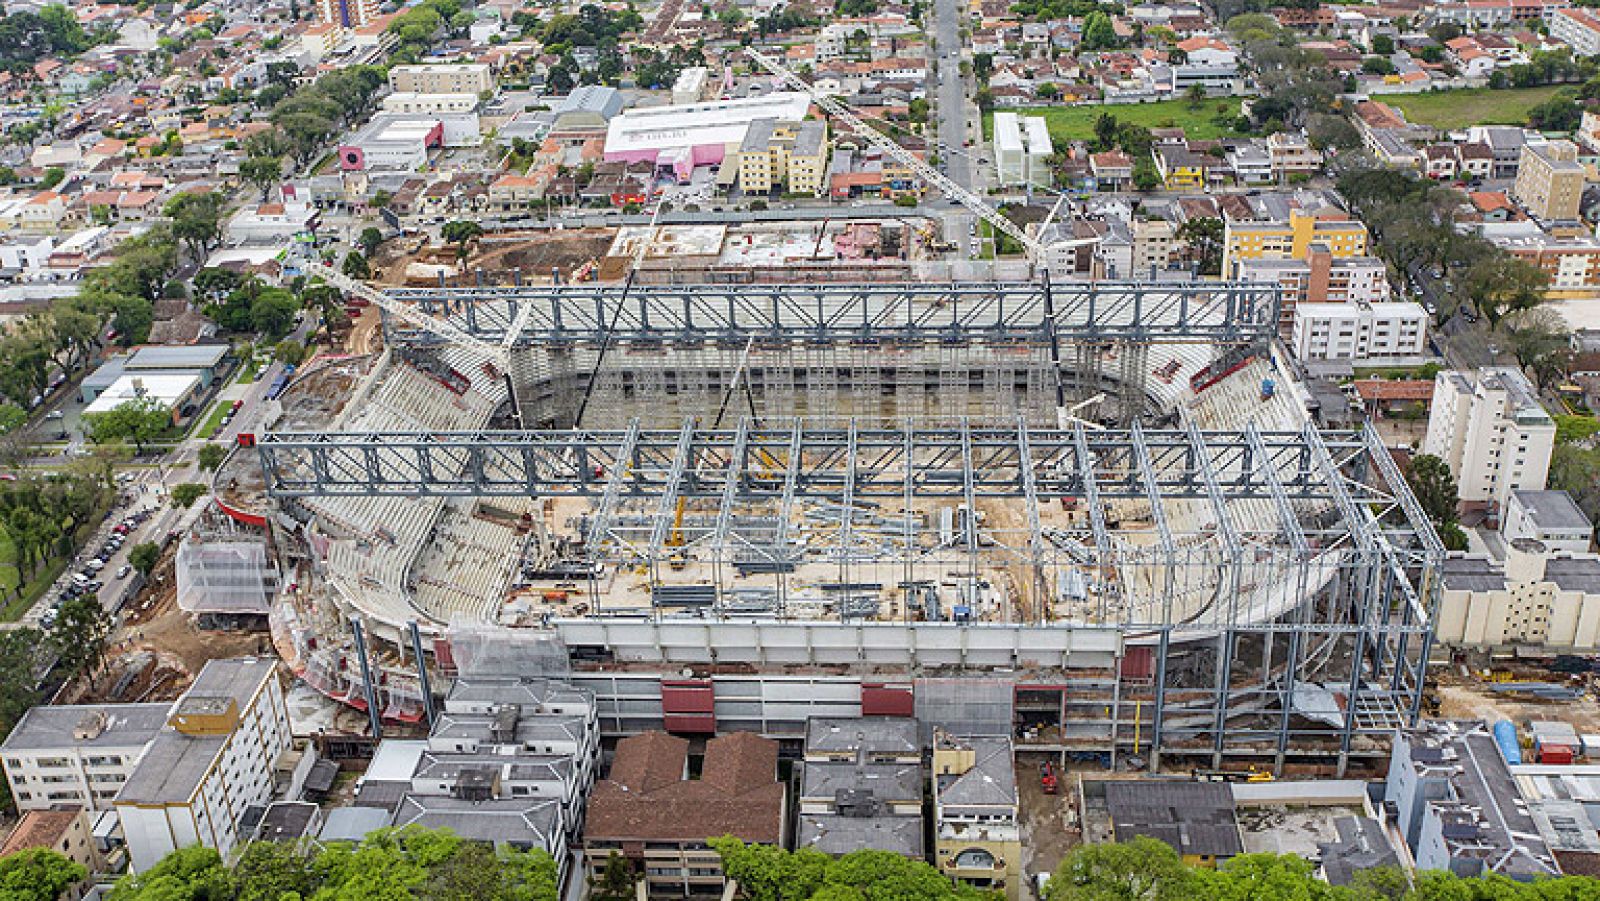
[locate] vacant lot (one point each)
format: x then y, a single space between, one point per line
1470 106
1076 123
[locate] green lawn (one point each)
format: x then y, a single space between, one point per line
1076 123
1470 106
209 426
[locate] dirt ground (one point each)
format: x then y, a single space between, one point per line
541 253
1049 827
154 655
1463 699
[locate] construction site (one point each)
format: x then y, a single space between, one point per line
1096 518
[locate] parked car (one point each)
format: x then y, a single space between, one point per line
123 570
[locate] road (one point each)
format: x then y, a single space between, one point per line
954 121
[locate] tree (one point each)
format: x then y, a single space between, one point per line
11 416
290 352
1196 96
1500 284
52 177
1098 33
197 221
272 871
355 266
141 420
1541 343
1382 45
370 240
38 874
1204 235
80 634
261 172
616 881
1326 131
1378 65
272 312
1434 487
190 874
1141 870
460 232
1145 176
187 493
144 556
211 456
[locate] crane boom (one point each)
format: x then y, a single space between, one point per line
412 314
927 173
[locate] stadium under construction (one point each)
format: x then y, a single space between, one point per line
1095 517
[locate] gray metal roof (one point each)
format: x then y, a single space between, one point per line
1552 509
177 356
531 727
991 781
837 835
236 677
531 693
518 767
886 781
525 823
1574 573
106 373
1473 574
1195 818
352 824
172 769
50 727
872 734
1362 845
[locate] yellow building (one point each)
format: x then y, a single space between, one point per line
1550 180
777 154
977 838
1292 240
1180 168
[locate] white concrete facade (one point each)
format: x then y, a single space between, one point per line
215 761
1359 331
1021 149
1490 429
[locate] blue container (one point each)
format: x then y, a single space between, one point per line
1505 735
1268 388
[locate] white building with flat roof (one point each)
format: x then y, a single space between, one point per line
1359 331
1021 149
175 391
442 78
1550 517
78 754
701 133
1491 431
213 762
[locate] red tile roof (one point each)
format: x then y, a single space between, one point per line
646 797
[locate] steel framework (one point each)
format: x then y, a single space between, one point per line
1225 313
1280 582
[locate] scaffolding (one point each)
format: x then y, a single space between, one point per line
224 577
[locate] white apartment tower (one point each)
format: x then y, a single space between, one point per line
1490 429
214 760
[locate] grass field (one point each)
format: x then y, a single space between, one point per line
1470 106
13 606
213 421
1076 123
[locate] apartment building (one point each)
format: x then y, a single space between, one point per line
347 13
1578 29
1491 431
655 816
861 786
1021 149
78 754
1552 518
1550 180
1317 278
977 837
65 829
1292 239
791 156
442 78
1292 153
1359 331
1572 264
1459 806
213 762
1533 597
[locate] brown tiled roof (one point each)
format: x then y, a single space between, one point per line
40 829
645 798
1392 389
649 761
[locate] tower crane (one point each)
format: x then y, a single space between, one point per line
947 186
